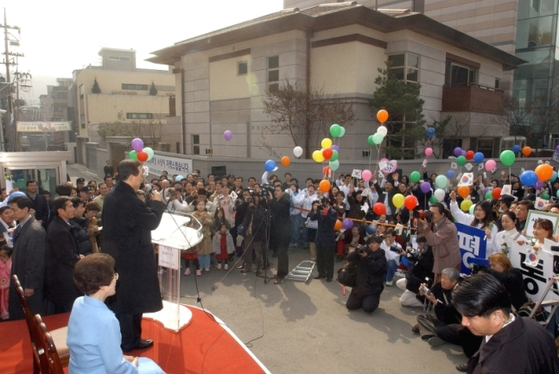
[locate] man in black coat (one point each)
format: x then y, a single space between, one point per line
39 203
127 224
325 239
62 255
28 258
280 230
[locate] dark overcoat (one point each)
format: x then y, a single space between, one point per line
127 224
28 263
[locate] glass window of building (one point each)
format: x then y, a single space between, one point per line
405 66
273 73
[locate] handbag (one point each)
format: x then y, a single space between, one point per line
347 275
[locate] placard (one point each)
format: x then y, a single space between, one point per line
173 165
356 173
169 257
533 215
472 245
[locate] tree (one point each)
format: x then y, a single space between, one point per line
95 88
405 108
150 131
153 90
305 116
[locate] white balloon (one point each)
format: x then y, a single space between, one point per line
439 194
342 132
383 130
298 151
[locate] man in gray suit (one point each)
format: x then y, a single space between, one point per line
28 258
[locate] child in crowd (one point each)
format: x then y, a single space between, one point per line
222 245
219 219
5 274
205 247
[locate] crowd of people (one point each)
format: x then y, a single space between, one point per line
415 248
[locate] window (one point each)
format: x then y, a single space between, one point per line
484 145
195 144
124 58
366 153
497 83
82 120
81 91
242 68
131 86
56 108
118 58
459 75
273 73
405 66
139 115
113 58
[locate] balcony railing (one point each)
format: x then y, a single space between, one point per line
472 98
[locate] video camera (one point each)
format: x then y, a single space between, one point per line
362 249
423 214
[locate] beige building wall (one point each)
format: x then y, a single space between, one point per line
225 82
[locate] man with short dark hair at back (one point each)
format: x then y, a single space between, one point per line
39 202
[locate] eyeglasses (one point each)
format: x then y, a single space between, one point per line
116 276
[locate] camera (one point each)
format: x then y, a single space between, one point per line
425 290
362 249
423 214
250 200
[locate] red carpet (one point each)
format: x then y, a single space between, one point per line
204 346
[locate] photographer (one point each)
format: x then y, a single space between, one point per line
371 271
175 202
422 268
253 229
280 229
325 239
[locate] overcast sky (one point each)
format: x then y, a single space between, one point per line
59 36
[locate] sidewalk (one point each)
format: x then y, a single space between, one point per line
76 171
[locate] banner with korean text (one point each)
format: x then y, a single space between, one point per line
173 165
472 244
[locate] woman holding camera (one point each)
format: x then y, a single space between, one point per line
371 272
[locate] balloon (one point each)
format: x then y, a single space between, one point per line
335 154
133 155
317 156
450 173
526 151
326 170
347 223
324 185
544 172
342 133
382 116
335 130
179 178
516 148
439 194
464 191
285 161
18 193
538 185
441 181
297 151
464 153
370 140
433 199
379 209
378 138
21 183
327 153
326 143
496 193
557 148
457 151
228 135
528 178
382 130
338 225
415 176
334 165
553 177
545 196
507 157
425 187
465 205
461 160
469 154
335 147
557 193
366 175
410 202
478 157
137 144
150 152
398 200
428 151
430 132
142 156
490 165
270 165
489 195
472 208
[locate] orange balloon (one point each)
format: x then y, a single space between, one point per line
338 225
544 172
464 191
526 151
382 116
324 186
285 161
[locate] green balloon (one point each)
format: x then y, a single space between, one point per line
415 176
433 199
335 155
545 196
334 165
507 157
335 130
21 184
489 195
378 138
441 181
472 208
342 132
370 140
461 160
133 155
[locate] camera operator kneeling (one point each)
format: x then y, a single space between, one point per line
371 271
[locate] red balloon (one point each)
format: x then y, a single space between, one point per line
142 156
496 193
410 202
379 209
469 154
327 153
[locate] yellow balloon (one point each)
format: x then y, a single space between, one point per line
317 156
398 200
465 205
326 143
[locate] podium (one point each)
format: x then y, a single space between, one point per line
176 233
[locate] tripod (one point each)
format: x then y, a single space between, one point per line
266 246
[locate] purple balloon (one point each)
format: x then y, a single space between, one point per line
337 148
538 185
457 151
137 144
463 153
425 187
557 148
228 135
347 223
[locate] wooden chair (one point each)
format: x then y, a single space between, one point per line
46 349
58 335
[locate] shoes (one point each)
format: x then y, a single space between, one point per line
328 279
207 269
400 273
462 367
218 266
187 271
319 276
144 343
415 329
198 272
226 266
278 281
390 283
435 341
240 266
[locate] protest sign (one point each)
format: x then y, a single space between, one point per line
472 245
